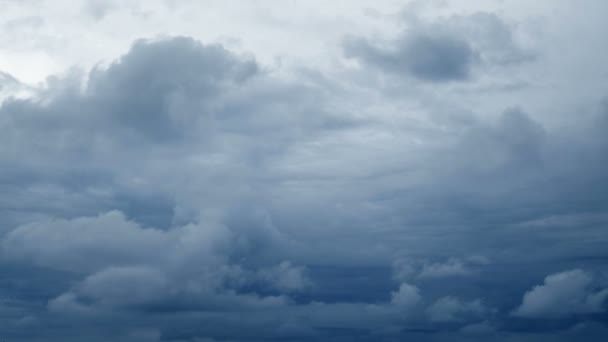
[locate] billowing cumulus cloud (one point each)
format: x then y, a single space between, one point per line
564 294
406 296
401 173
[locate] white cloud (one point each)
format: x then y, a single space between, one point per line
125 265
563 294
453 267
86 244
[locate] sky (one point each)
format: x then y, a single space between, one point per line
303 170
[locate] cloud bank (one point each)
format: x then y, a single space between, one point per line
443 179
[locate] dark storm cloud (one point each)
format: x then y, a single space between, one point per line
182 104
185 193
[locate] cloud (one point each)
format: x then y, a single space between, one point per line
448 309
408 296
127 266
447 49
124 286
85 244
185 191
429 57
174 100
161 89
453 267
483 328
286 277
7 80
147 289
98 9
421 269
10 87
562 295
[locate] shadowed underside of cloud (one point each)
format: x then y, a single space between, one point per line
185 193
429 57
448 49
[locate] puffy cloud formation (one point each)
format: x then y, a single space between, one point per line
126 265
397 174
407 296
446 49
564 294
86 244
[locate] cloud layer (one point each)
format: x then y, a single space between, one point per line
443 179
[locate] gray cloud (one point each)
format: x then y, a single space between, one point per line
286 277
98 9
428 57
448 49
407 296
185 192
412 268
127 266
160 90
448 309
85 244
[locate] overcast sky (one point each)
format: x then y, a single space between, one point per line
303 170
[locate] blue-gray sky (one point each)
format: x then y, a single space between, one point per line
303 171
